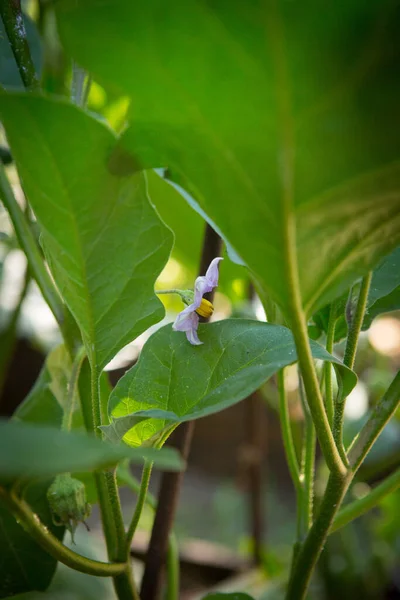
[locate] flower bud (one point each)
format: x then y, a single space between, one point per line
67 499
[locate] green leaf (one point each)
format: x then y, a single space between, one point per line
175 382
103 239
270 114
24 565
386 304
28 451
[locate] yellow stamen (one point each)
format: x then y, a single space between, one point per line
205 309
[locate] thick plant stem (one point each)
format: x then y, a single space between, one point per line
381 414
171 482
144 486
311 549
14 25
330 340
359 507
294 308
28 244
306 498
286 430
350 354
53 546
110 507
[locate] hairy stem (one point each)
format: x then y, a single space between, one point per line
144 486
356 323
306 499
350 354
11 14
359 507
330 340
110 507
286 430
311 549
29 520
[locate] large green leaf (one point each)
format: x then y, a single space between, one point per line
31 451
104 241
175 382
246 103
24 565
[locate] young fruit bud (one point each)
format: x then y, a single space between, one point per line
67 499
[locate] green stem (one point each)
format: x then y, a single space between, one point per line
173 553
381 414
72 389
362 505
29 520
311 549
110 506
172 291
356 323
173 571
11 14
330 340
144 486
306 500
286 430
30 248
350 354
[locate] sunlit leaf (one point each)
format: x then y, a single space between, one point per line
265 113
175 382
103 239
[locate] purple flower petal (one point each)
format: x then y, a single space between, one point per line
212 273
186 320
193 337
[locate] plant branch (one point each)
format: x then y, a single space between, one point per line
306 498
356 322
29 520
171 482
359 507
381 414
110 507
11 14
286 430
172 553
144 486
29 246
330 340
309 552
350 354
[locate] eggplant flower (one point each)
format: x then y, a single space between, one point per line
188 319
